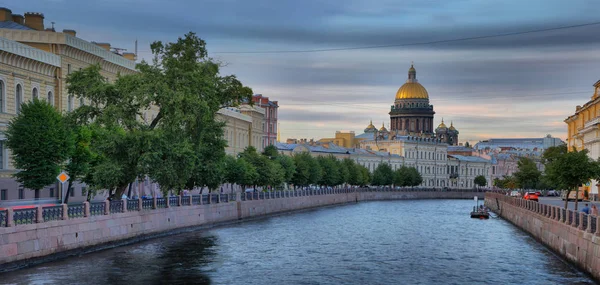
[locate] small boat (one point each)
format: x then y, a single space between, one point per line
479 212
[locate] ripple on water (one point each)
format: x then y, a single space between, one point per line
393 242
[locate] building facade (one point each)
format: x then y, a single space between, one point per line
411 112
584 133
35 62
269 126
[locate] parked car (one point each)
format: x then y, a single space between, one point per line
553 193
538 193
249 190
533 196
515 194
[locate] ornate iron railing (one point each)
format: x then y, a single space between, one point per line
261 195
173 201
76 211
97 208
584 223
3 218
186 200
255 196
147 204
593 224
161 203
196 199
133 205
576 218
205 199
224 198
214 198
52 213
24 216
115 206
232 197
243 196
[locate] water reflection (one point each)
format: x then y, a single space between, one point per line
394 242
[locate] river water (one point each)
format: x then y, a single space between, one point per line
392 242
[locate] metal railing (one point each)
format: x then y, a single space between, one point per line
224 198
173 201
584 222
593 223
133 205
97 208
205 199
24 216
186 201
52 213
161 203
147 204
115 206
3 218
76 211
214 198
196 199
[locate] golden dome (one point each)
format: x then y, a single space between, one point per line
452 128
442 125
412 89
383 129
370 126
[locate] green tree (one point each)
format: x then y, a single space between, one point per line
330 172
571 169
315 171
302 174
480 181
40 143
80 157
527 175
354 173
383 175
271 152
344 172
289 168
402 176
365 175
415 177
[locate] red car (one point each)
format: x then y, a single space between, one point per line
533 196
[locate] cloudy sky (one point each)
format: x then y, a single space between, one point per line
513 86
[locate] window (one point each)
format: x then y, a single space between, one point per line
21 193
37 193
1 96
34 94
50 98
70 103
68 69
51 192
18 99
72 193
1 154
3 194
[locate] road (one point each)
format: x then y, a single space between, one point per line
556 201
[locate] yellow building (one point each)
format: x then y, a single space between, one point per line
584 131
345 139
35 62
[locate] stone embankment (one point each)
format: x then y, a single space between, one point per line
33 235
573 235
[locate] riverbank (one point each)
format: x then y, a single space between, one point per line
57 232
573 235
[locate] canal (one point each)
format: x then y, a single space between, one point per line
392 242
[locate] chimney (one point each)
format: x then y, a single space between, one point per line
34 20
5 14
129 55
71 33
105 46
19 19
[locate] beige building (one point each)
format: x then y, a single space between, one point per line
35 62
256 131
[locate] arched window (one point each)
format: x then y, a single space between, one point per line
18 98
34 94
2 96
50 98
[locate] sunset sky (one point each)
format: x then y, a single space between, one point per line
513 86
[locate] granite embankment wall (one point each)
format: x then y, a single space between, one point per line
573 235
34 235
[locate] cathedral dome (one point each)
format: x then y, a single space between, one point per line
442 125
412 89
452 128
370 128
383 129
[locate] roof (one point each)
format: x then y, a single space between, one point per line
470 158
13 25
519 143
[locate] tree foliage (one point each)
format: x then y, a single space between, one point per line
480 181
383 175
40 143
527 175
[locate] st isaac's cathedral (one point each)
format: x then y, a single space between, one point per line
412 116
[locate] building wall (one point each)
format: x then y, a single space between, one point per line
237 130
269 126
